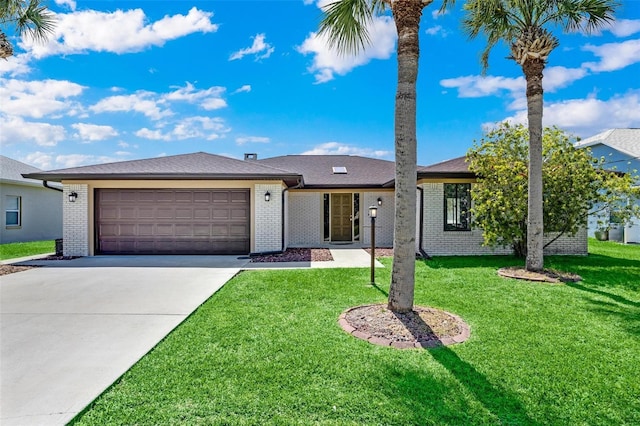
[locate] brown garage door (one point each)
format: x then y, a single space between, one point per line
172 221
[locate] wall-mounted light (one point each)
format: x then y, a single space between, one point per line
267 196
73 196
379 201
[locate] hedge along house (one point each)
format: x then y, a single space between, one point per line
208 204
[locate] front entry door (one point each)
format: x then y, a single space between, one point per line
341 205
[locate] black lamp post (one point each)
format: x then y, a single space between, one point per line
373 213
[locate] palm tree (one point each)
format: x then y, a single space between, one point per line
524 25
345 25
28 18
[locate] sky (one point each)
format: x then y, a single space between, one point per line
126 80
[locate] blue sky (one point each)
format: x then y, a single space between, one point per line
124 80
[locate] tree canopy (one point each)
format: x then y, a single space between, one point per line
575 185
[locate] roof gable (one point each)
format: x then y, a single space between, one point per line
11 171
627 141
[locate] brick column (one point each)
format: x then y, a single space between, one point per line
75 216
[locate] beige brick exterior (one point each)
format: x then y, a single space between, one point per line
268 218
75 230
438 242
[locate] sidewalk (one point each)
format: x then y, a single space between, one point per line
342 258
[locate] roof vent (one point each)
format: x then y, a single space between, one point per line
250 157
339 170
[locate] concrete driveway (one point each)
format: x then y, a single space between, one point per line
68 332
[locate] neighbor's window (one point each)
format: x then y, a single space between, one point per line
12 210
457 203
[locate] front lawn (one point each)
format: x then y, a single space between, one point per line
15 250
267 349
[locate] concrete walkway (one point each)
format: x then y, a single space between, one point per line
70 329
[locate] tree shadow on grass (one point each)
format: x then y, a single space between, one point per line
500 403
614 297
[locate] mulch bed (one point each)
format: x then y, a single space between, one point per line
546 276
11 269
296 255
421 328
382 251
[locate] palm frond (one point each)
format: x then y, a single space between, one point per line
36 20
345 24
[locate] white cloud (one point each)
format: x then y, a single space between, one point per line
558 77
336 148
71 4
613 56
436 13
209 99
16 65
260 49
75 160
586 117
252 139
93 132
142 102
244 89
17 131
625 27
38 98
117 32
39 159
475 86
328 62
207 128
435 30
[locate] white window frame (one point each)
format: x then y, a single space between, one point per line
9 201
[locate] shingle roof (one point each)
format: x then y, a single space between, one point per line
199 165
11 172
456 167
626 141
318 170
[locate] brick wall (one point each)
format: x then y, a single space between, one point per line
305 219
268 218
75 230
438 242
384 221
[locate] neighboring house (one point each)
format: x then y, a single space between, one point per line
621 150
203 203
30 212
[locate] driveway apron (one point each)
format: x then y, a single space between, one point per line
68 332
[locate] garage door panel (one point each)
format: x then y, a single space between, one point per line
140 221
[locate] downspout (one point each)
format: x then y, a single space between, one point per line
421 231
298 185
46 185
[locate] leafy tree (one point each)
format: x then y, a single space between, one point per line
524 26
345 25
575 185
29 18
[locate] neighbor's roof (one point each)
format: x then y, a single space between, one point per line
626 141
11 172
318 170
199 165
454 168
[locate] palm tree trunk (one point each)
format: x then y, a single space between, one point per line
407 14
532 69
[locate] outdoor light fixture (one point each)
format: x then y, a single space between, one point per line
379 201
73 196
373 213
267 196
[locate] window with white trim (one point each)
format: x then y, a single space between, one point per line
12 210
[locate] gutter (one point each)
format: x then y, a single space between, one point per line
46 185
421 231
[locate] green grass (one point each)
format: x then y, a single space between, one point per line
14 250
267 349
